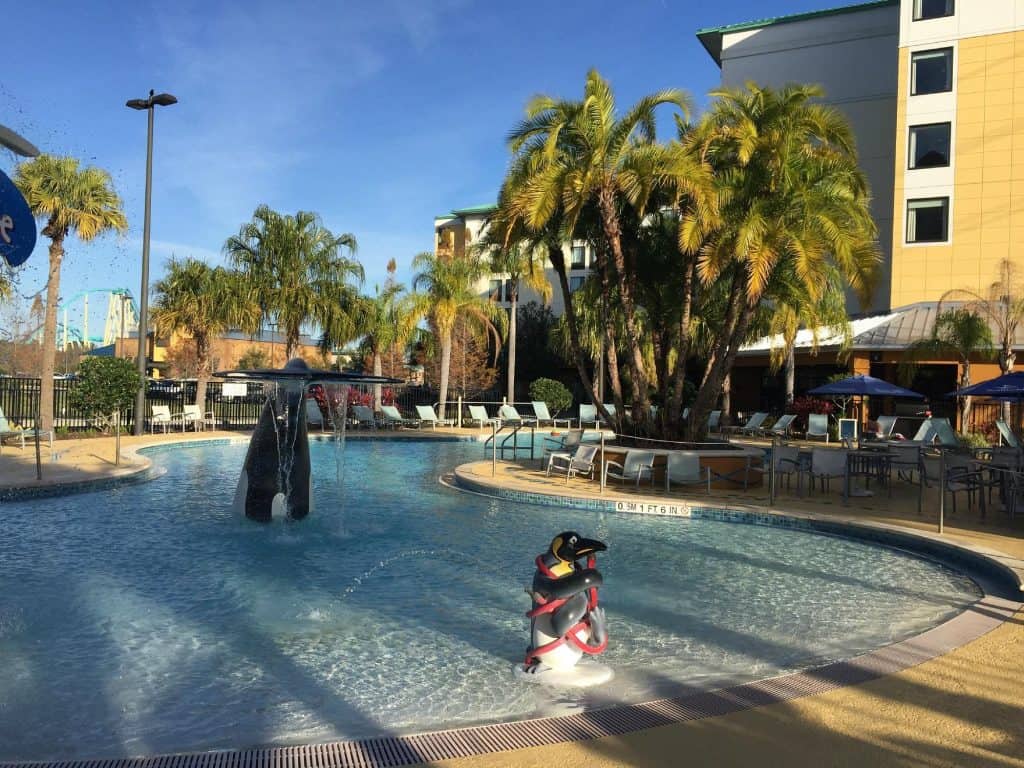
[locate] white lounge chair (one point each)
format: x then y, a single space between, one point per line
191 414
636 466
478 413
817 426
429 416
588 415
1007 434
886 424
509 415
580 462
752 426
780 427
314 416
683 468
394 418
363 416
160 416
8 431
540 410
715 421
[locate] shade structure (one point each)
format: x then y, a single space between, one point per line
1009 386
864 386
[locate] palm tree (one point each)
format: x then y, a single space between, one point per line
792 195
202 302
298 275
571 154
1002 304
523 263
73 201
386 320
957 333
446 294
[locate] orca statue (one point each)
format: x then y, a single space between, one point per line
276 481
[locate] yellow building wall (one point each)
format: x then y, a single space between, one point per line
987 207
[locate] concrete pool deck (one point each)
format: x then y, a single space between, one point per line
965 707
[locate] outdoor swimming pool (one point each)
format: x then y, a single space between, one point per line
151 619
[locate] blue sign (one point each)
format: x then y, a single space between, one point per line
17 225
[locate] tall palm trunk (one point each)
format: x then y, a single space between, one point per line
675 405
612 233
611 353
446 362
378 370
49 350
789 373
1006 361
203 372
512 329
557 259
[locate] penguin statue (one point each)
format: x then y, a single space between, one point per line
566 622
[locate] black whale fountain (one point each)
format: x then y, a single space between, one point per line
276 482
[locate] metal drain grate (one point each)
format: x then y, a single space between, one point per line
394 751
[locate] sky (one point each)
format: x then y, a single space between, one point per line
376 115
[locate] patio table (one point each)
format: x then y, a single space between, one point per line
869 463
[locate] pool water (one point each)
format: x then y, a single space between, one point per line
151 618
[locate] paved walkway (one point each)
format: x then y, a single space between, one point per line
963 709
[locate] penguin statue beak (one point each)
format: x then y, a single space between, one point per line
589 546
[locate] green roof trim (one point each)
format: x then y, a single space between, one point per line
711 37
475 210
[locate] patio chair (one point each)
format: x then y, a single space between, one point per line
394 418
683 468
906 460
540 410
314 415
817 426
752 426
509 415
8 431
886 424
1006 434
565 443
636 466
160 416
786 459
478 413
827 464
780 427
962 476
363 416
589 414
191 414
580 462
715 421
428 415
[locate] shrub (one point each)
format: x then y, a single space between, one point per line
803 406
105 386
254 357
974 439
553 393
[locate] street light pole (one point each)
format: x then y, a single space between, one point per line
163 100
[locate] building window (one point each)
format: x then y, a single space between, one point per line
579 257
575 283
494 292
929 145
928 220
933 9
931 71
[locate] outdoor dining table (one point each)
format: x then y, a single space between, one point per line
871 463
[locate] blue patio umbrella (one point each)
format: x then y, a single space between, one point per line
863 385
1009 386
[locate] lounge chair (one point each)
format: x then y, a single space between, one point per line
429 416
580 462
635 467
715 421
314 415
817 426
160 416
611 409
686 414
886 424
509 415
1007 434
540 410
478 413
752 426
191 414
565 443
363 416
588 415
780 427
827 464
7 431
392 417
683 468
936 429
